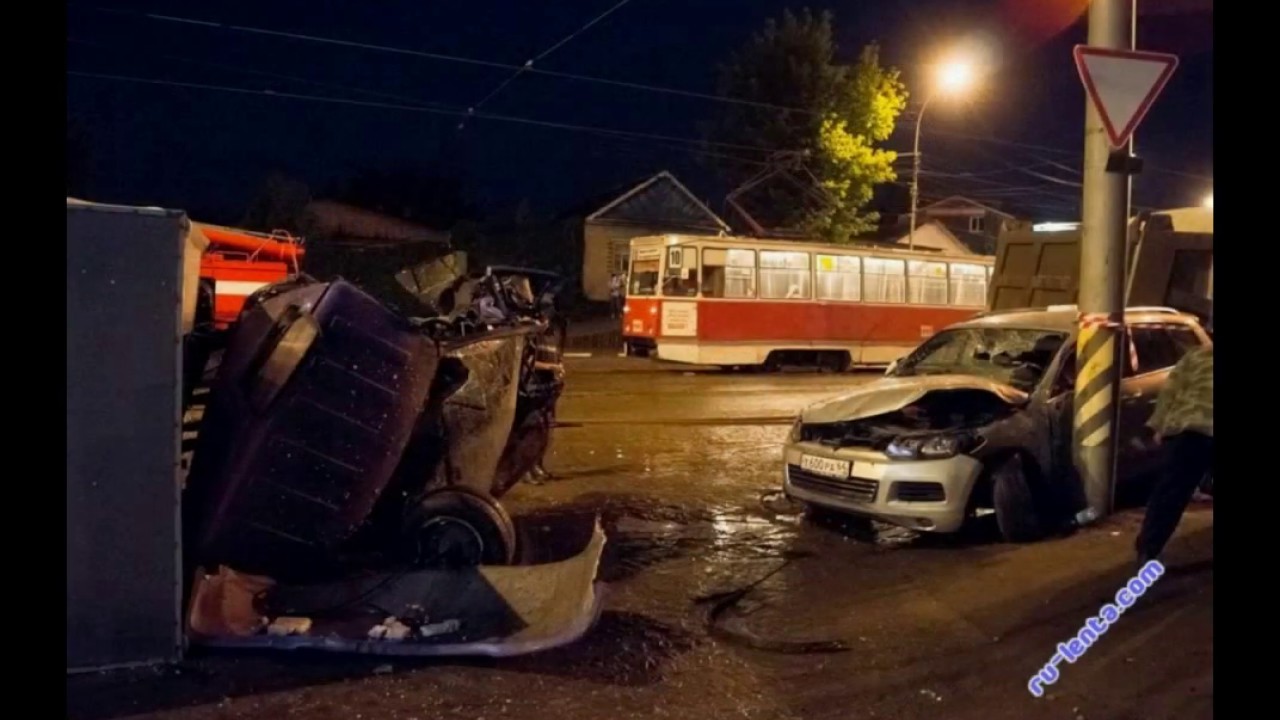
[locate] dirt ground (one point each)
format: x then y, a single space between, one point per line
843 623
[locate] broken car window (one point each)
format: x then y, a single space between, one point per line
1018 357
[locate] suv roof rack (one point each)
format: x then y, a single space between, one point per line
1072 307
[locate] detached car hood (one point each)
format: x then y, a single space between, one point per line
894 393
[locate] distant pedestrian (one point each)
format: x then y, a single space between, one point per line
617 287
1183 422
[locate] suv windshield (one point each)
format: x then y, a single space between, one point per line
1015 356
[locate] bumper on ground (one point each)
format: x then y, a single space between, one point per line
927 495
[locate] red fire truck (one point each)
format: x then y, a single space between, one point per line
744 302
239 262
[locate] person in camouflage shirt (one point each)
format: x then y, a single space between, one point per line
1183 423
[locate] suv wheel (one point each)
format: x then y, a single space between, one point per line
1016 512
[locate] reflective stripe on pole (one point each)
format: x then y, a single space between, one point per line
1095 391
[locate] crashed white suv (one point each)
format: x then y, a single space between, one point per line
979 418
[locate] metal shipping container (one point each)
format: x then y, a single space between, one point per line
127 272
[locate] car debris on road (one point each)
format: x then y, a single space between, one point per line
349 464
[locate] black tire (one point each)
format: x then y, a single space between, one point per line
1016 512
456 527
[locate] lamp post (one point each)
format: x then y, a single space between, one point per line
953 77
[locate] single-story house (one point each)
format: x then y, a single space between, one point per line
655 206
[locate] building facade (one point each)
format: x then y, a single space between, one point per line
656 206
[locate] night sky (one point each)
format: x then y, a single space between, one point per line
209 151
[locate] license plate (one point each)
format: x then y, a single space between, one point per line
825 466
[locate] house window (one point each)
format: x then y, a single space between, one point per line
784 275
618 252
977 224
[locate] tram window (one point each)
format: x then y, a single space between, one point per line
643 277
681 276
784 275
928 283
728 273
885 281
968 284
839 277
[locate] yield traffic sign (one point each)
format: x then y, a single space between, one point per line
1122 84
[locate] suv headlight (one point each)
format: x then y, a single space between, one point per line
929 447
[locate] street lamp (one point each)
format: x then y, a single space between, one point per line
952 78
1208 201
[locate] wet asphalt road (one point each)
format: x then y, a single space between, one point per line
682 468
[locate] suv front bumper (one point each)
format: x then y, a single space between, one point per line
926 495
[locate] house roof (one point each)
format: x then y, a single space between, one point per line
348 223
662 200
960 202
978 243
933 235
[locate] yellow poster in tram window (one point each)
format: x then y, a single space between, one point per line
826 263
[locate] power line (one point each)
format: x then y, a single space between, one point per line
416 108
263 73
388 96
456 59
904 118
581 30
529 63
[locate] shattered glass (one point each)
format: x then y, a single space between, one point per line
1015 356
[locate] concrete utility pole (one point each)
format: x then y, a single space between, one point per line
915 176
1101 342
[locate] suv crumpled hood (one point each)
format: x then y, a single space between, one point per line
888 394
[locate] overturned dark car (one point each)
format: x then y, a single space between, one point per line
341 433
979 418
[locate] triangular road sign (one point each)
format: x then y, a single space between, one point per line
1122 85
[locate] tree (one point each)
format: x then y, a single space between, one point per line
830 117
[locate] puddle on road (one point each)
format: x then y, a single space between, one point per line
643 532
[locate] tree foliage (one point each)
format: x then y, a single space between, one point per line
830 117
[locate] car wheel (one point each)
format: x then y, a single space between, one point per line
1016 513
456 527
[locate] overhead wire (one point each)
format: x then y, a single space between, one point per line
263 73
444 57
905 117
528 64
416 108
